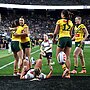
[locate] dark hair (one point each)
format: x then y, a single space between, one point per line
67 14
15 23
37 72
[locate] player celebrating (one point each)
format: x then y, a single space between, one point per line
63 28
25 40
80 36
16 48
28 73
46 49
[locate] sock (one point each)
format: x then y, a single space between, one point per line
64 67
75 68
15 71
19 70
83 67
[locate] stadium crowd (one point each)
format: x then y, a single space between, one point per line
47 2
39 21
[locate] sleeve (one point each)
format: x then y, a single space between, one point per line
71 24
58 22
28 75
83 26
50 41
42 76
42 44
25 26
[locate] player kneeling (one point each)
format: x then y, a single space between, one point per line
62 60
28 73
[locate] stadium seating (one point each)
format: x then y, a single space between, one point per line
39 21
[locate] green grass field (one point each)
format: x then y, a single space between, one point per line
6 58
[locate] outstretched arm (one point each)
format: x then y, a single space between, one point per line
24 33
50 73
13 29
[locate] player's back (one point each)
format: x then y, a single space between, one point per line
18 31
65 27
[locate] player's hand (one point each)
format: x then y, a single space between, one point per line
9 28
82 42
43 53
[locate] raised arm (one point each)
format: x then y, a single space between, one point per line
50 73
13 29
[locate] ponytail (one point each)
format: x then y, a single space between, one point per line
67 14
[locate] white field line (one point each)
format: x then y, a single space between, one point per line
35 47
13 61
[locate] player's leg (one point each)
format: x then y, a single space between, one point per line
38 64
68 64
27 53
27 47
64 66
14 50
82 62
76 53
20 62
67 52
49 58
15 63
26 67
60 48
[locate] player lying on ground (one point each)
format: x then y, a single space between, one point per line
28 73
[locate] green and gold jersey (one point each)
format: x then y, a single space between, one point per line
16 38
64 27
79 32
24 38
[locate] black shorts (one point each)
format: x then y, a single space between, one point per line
49 55
64 42
78 44
15 46
26 45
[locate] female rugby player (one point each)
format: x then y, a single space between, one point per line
64 27
80 36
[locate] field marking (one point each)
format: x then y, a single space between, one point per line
35 47
13 61
12 53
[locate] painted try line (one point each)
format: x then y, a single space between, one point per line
13 61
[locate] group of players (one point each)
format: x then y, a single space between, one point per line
64 29
21 48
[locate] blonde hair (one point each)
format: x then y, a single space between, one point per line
21 18
78 17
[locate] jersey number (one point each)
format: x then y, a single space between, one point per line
66 29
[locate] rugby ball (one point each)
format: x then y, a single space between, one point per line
61 57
